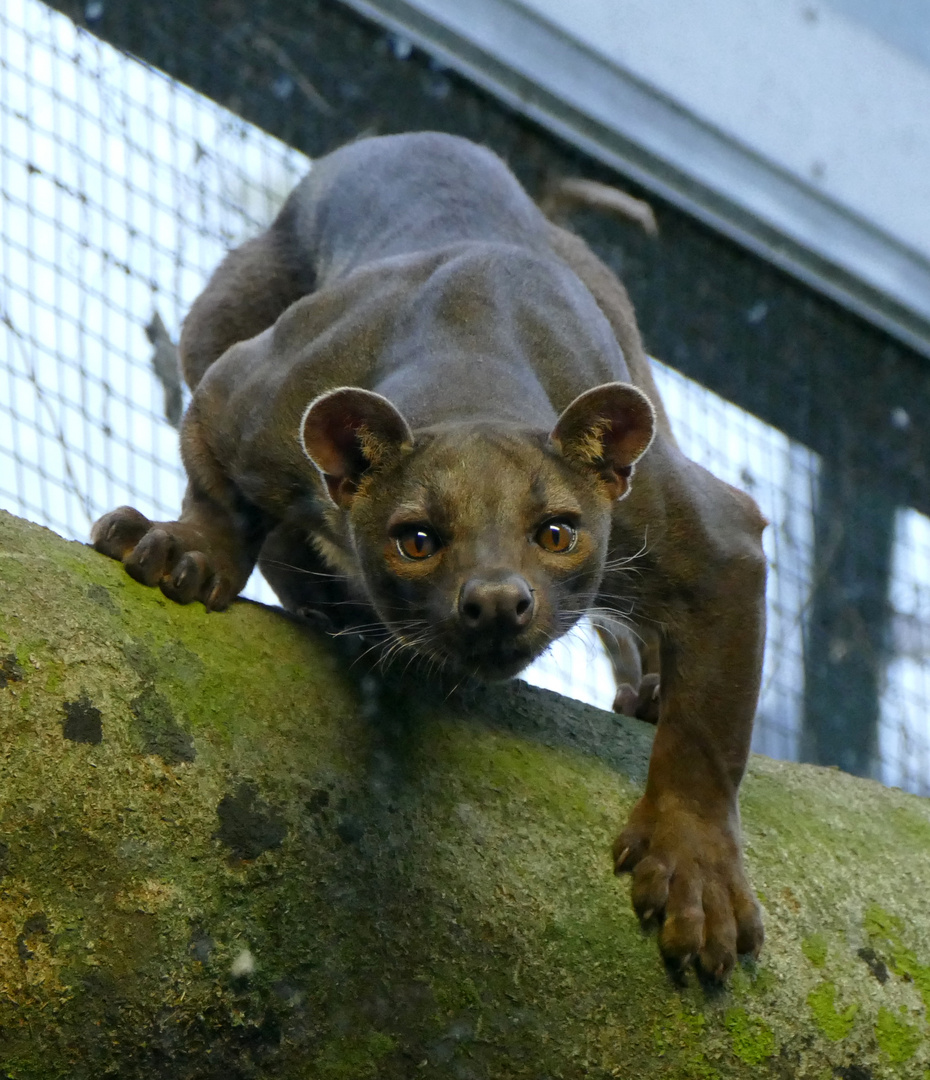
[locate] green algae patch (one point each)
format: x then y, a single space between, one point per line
888 932
699 1068
354 1057
752 1040
882 925
815 949
226 851
834 1023
897 1038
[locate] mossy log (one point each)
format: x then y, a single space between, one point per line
225 852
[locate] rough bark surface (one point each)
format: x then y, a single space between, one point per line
227 853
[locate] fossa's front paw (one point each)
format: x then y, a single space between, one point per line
166 554
689 882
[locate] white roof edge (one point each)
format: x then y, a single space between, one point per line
618 119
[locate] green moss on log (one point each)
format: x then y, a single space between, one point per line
226 852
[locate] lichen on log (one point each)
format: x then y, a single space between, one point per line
228 852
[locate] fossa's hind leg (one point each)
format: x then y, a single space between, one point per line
634 666
306 586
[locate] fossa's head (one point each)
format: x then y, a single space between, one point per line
477 543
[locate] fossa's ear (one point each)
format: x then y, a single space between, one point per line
346 432
607 429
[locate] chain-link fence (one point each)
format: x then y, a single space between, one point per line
122 189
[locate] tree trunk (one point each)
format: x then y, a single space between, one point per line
228 852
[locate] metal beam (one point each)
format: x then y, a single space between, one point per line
616 118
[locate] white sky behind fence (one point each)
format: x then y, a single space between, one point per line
121 191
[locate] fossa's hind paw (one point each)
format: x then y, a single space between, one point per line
643 704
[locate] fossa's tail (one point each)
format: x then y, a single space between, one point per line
563 196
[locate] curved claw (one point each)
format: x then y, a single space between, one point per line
620 860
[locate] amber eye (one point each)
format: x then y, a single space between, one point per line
416 542
557 537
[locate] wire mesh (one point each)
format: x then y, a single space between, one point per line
122 189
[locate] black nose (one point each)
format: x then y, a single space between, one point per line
504 605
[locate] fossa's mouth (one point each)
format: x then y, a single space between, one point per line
496 661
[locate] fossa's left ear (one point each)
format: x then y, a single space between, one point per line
348 431
607 429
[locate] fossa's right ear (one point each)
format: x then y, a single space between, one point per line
346 432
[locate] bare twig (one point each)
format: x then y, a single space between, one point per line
167 368
271 48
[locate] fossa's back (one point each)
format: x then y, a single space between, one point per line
397 194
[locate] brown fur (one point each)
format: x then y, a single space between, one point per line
413 359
